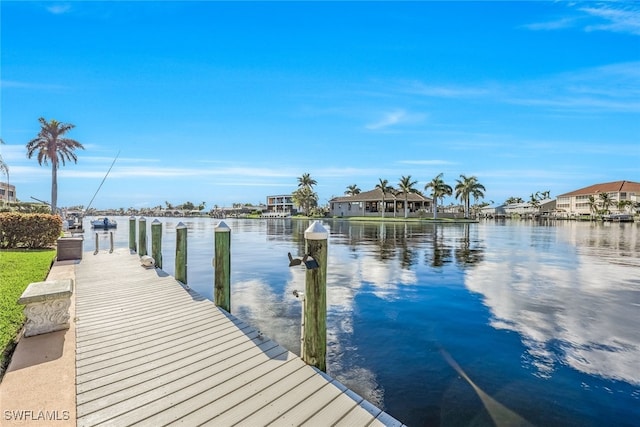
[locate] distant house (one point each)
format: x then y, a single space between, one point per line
370 203
576 202
7 192
542 207
281 205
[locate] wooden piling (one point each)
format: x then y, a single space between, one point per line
142 236
97 245
314 349
132 234
181 253
222 266
156 242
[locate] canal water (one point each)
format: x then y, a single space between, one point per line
445 325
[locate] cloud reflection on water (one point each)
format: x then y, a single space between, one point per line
577 306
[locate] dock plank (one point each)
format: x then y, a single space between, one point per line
151 351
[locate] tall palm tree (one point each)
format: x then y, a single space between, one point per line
439 189
606 201
53 147
306 198
352 190
4 168
306 181
593 205
406 186
466 188
386 188
535 201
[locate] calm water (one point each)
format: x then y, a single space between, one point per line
542 321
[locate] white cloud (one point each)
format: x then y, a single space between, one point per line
394 118
426 162
444 91
623 17
551 25
59 9
617 18
14 84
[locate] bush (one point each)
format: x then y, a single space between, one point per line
30 231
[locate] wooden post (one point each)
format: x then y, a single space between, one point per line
181 253
314 349
156 242
142 239
96 251
111 242
222 266
132 233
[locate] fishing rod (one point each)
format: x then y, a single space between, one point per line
103 180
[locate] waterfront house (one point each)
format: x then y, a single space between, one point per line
281 205
576 203
370 203
7 192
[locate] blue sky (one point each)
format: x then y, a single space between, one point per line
231 102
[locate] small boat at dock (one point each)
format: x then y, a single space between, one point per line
103 223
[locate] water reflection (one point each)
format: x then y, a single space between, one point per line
572 297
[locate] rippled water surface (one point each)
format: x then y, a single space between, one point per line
449 324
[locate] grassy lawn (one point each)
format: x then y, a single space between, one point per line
17 270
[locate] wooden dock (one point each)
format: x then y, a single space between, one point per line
150 352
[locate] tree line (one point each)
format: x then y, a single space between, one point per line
466 187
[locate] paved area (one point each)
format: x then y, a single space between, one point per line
38 388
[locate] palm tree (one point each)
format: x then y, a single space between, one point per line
306 198
535 201
622 205
4 169
352 190
53 147
513 200
439 189
405 186
593 205
606 202
306 181
386 188
466 188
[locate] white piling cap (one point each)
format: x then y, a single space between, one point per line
156 221
180 225
316 232
222 227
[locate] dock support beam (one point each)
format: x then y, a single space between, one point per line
181 253
314 351
132 234
142 239
156 242
222 266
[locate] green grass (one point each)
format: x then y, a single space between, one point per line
17 270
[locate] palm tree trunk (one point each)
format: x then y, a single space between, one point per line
383 206
435 208
406 212
54 186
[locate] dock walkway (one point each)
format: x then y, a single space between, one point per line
152 352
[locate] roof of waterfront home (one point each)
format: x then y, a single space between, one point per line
376 195
608 187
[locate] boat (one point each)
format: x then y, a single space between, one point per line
618 218
73 222
103 223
